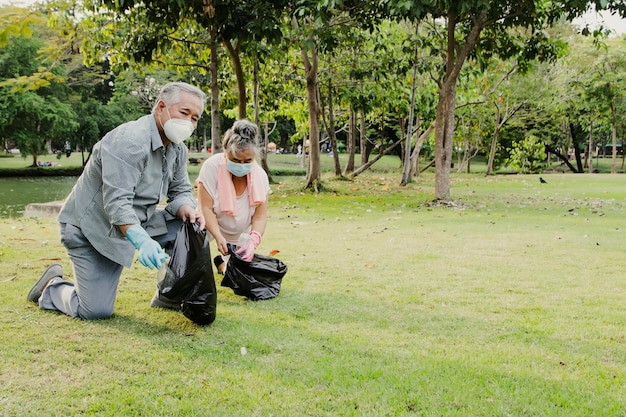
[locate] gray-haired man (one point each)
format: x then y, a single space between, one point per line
112 209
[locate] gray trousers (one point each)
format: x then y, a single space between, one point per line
92 295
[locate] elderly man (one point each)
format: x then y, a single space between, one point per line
112 209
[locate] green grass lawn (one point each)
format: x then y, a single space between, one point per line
510 303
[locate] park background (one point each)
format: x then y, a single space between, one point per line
525 83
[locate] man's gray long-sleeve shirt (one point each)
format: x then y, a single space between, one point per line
128 174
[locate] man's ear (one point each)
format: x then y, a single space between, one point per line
161 105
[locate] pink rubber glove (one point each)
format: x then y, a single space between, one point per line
246 252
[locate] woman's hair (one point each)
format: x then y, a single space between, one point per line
170 93
243 135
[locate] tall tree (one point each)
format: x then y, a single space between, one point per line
315 24
33 103
184 36
604 92
18 22
310 61
483 29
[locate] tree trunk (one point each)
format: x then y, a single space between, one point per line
590 148
444 134
494 142
445 119
613 139
579 163
82 150
429 165
562 157
264 164
257 118
380 155
255 92
351 142
444 126
330 126
314 175
233 51
304 154
216 144
406 160
623 155
362 137
415 155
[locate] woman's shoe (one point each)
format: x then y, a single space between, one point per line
219 262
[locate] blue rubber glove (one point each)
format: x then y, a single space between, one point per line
151 255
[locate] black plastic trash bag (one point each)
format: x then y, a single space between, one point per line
188 276
258 279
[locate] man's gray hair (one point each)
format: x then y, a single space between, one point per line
242 135
170 94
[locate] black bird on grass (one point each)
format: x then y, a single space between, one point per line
541 180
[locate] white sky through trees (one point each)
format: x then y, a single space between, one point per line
593 19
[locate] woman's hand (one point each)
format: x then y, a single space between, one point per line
246 252
221 245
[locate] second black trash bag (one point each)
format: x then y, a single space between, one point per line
188 276
258 279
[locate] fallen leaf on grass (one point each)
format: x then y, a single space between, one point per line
274 252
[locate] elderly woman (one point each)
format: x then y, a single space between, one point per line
232 197
233 191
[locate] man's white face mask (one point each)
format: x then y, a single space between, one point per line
177 130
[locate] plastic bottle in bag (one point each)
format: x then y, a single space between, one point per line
243 239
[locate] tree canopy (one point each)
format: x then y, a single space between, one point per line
364 76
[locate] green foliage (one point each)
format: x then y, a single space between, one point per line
35 114
528 155
48 96
365 57
17 22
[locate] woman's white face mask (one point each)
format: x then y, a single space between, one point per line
177 130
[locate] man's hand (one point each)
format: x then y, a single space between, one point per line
194 216
151 255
